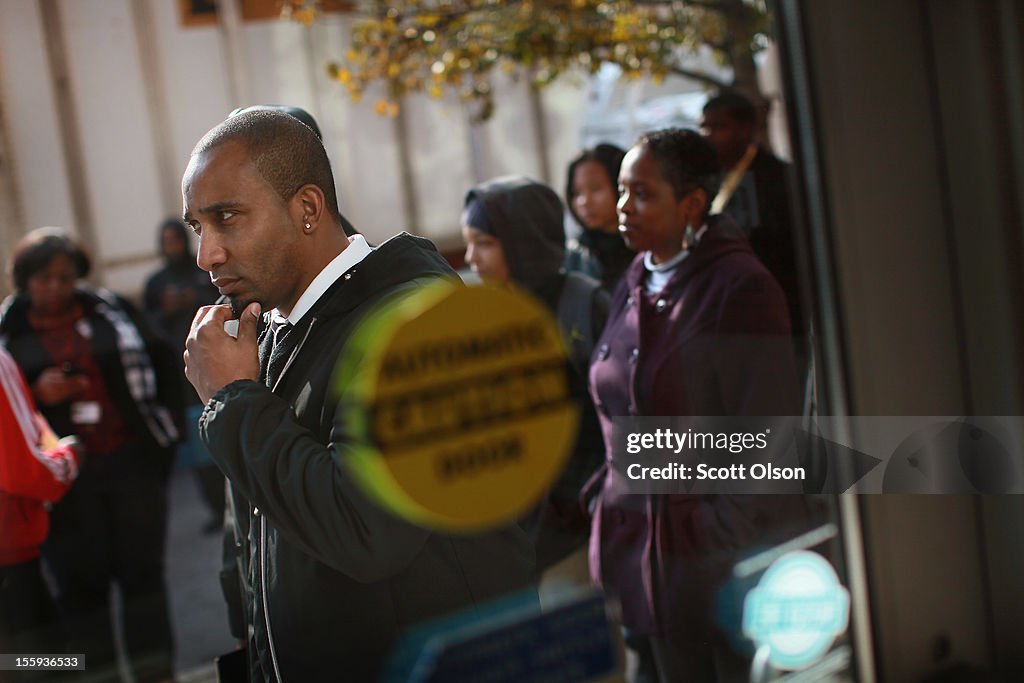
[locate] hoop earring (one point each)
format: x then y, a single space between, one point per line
689 237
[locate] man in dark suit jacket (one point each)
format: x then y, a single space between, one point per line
759 201
329 580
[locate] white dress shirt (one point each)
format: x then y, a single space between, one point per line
356 251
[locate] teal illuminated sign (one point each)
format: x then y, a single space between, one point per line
797 610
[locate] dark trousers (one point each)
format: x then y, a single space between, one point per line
28 617
697 662
211 488
111 526
671 660
640 646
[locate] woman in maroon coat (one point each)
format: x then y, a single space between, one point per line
697 327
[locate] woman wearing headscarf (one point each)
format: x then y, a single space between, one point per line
514 233
96 371
591 191
697 327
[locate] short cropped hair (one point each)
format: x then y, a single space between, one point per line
34 252
686 159
738 106
297 112
284 151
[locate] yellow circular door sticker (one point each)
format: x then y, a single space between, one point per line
457 400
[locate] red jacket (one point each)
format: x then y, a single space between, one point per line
29 476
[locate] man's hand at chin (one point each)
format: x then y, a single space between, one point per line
214 358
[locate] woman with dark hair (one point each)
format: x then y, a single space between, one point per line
697 326
95 371
590 192
172 296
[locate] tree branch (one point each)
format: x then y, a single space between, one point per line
713 5
707 4
699 76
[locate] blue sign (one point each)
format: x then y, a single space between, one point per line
797 609
510 642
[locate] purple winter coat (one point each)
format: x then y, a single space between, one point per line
715 341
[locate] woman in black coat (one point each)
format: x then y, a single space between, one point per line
97 372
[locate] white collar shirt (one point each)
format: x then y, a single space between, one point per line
356 251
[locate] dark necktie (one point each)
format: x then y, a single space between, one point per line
280 330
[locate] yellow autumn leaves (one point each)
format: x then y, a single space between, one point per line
453 46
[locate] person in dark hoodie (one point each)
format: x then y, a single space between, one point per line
175 292
327 581
591 191
514 233
171 297
698 326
